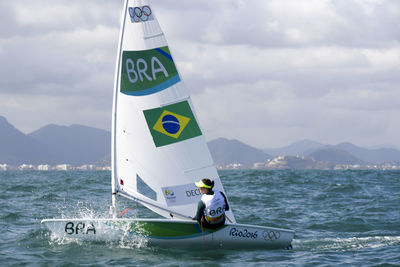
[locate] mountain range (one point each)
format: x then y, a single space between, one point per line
343 152
225 152
53 144
78 145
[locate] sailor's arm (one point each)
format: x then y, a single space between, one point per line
226 201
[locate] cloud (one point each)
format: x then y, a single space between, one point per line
265 72
285 23
58 63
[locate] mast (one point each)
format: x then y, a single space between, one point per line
114 176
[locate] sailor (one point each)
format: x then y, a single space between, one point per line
212 206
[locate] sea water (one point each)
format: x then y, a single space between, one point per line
340 218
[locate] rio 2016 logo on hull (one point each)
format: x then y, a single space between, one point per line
243 233
147 72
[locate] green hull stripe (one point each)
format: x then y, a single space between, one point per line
166 230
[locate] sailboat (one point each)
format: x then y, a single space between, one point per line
159 152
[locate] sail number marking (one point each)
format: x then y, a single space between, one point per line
79 228
243 233
141 69
146 72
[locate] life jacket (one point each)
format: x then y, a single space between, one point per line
214 211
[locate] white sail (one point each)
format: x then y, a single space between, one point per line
158 149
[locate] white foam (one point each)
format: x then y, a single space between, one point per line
129 239
347 244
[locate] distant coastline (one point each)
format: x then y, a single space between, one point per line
301 163
59 167
279 163
79 147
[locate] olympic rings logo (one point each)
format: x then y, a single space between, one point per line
271 235
139 14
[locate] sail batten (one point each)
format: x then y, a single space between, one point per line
156 133
154 35
200 168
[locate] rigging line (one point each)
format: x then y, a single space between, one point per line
202 232
122 213
228 218
149 172
200 168
154 205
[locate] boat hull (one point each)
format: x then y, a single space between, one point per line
171 233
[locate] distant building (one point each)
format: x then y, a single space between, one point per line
86 167
63 167
44 167
234 166
26 167
104 168
259 165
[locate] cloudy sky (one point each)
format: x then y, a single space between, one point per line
267 73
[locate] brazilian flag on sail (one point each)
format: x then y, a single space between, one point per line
171 124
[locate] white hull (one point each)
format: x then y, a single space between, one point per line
171 233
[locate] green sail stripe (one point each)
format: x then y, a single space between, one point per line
165 49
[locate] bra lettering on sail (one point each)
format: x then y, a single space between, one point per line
140 14
147 72
140 71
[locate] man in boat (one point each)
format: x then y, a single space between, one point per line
212 206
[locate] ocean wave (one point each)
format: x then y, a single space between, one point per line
346 244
